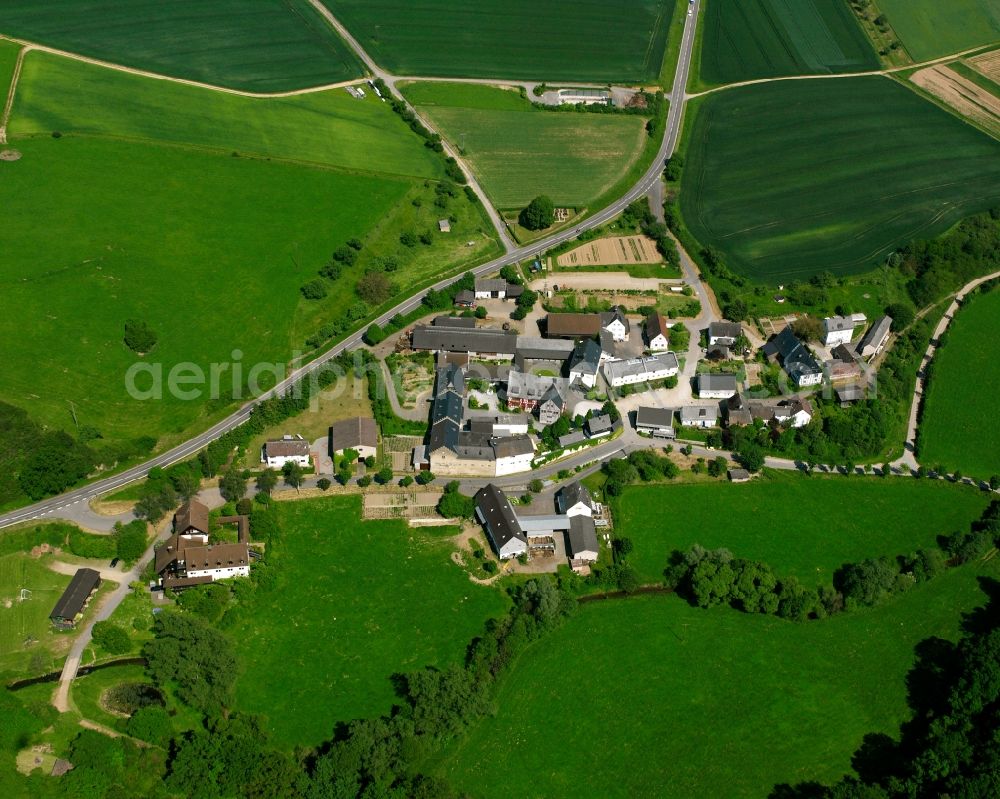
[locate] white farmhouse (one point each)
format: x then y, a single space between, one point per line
290 449
641 370
575 500
716 386
657 332
616 323
840 329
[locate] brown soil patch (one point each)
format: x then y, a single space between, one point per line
970 100
988 64
113 508
612 251
10 155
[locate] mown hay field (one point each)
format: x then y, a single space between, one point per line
518 151
588 40
747 39
264 46
791 179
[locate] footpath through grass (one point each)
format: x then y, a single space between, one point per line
791 179
330 128
658 698
801 526
8 60
953 429
519 151
264 46
747 39
931 29
589 40
357 601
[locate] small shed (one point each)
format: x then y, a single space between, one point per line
444 225
739 476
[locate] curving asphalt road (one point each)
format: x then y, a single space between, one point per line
671 135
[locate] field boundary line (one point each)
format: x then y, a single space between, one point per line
144 73
840 75
11 91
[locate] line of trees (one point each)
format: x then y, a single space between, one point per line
715 577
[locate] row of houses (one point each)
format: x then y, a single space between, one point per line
735 411
511 534
357 433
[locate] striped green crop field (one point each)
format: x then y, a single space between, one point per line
263 46
747 39
794 178
588 40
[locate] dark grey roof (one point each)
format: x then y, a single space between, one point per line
498 516
476 446
725 330
586 357
795 357
511 446
465 297
553 396
838 323
582 535
599 424
700 412
739 474
456 339
444 435
573 493
576 437
876 333
449 378
543 349
354 432
448 406
850 393
654 417
482 426
615 314
490 284
75 596
514 290
454 321
716 382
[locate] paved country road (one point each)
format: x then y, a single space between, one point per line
55 505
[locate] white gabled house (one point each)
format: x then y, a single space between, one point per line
575 500
641 370
657 332
289 449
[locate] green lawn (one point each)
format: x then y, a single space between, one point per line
931 29
589 40
330 128
651 697
952 431
801 526
357 602
130 230
518 151
747 39
791 179
264 46
28 619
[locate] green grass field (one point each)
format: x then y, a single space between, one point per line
930 29
329 128
651 697
794 178
799 525
357 602
519 152
951 430
751 39
589 40
23 620
132 226
8 59
266 46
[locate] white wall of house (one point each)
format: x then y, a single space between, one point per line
717 393
617 330
810 380
589 379
363 451
659 343
279 461
641 377
511 428
195 536
579 509
586 554
221 573
837 337
513 548
514 464
699 422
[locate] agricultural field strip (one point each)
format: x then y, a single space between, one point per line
827 76
961 95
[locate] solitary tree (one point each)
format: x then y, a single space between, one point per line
232 485
266 481
293 474
539 214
